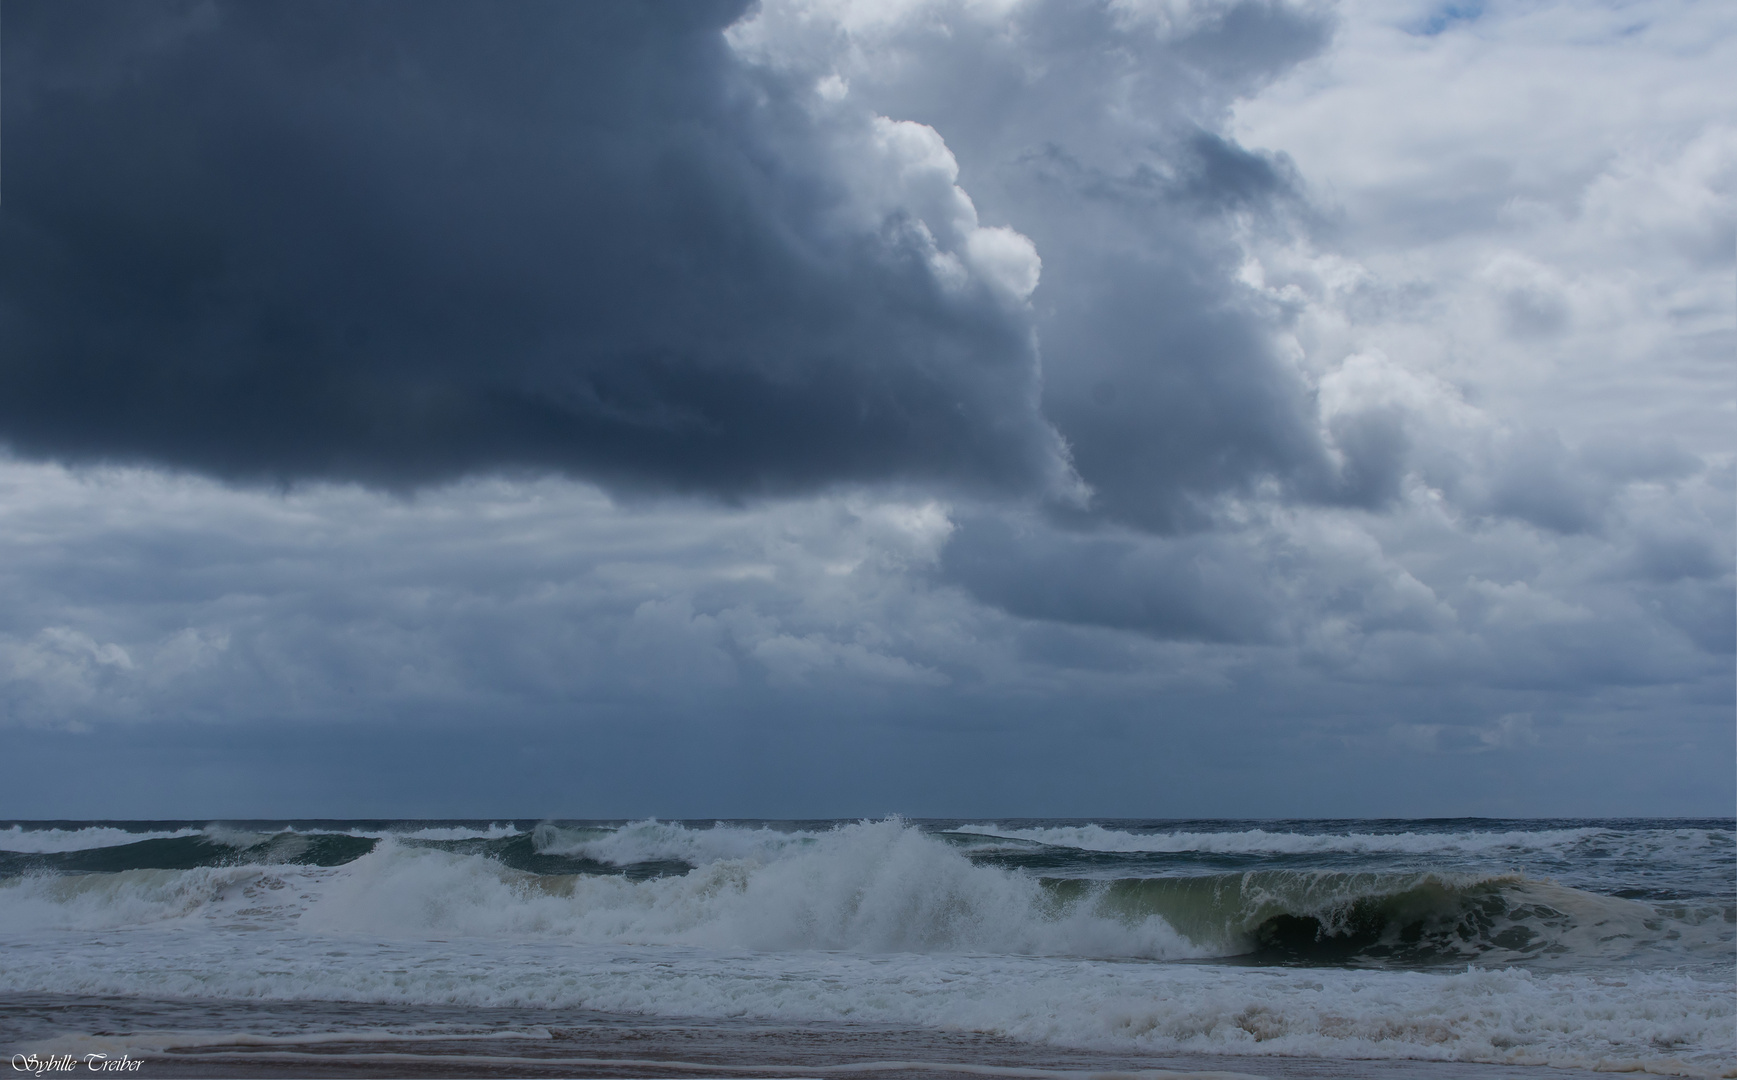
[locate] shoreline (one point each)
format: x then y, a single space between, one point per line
203 1039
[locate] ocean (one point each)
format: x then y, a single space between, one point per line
1371 948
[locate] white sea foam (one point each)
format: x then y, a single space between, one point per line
876 887
203 897
873 888
880 888
1661 1022
873 922
49 841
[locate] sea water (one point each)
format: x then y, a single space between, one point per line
1573 943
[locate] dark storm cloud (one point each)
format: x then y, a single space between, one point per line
1101 132
1341 553
400 242
1160 368
1222 174
1375 445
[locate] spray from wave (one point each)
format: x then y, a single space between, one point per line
1440 952
869 887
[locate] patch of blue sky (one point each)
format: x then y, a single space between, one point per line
1449 15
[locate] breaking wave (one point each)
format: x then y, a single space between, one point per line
871 887
1446 954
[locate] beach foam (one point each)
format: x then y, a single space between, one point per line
1662 1022
884 922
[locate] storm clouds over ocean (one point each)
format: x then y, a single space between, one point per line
1246 408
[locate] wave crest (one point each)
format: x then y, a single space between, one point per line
874 887
878 887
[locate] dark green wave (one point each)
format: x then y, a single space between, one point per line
189 852
306 849
1291 917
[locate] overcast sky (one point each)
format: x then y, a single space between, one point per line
1230 408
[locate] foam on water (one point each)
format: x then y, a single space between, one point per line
876 887
658 841
1661 1022
883 922
881 887
204 896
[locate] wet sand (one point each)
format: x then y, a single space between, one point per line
195 1038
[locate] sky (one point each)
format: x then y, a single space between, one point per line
818 408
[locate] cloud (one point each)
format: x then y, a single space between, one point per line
1391 368
1184 590
1096 130
134 596
535 641
402 243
